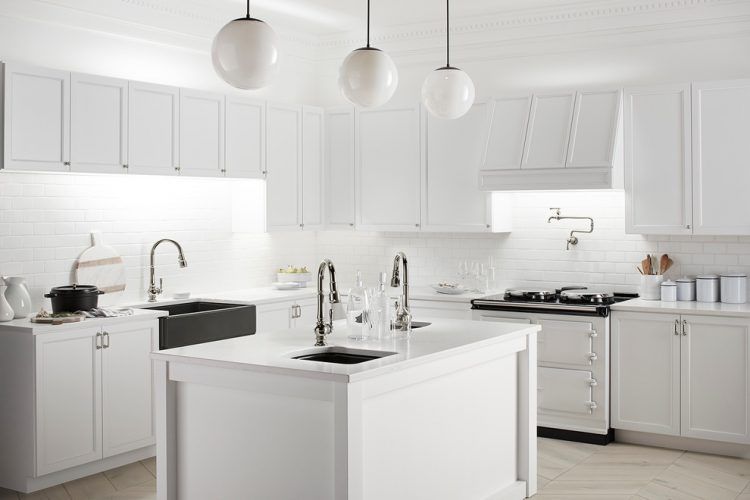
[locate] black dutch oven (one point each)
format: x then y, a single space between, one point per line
72 298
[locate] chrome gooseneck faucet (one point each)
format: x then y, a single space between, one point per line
323 328
402 321
572 239
153 290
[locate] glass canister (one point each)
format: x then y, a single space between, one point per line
686 289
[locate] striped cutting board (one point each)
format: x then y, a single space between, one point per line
102 266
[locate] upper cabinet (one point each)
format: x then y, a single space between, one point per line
153 129
721 128
98 124
36 118
388 169
339 168
657 160
694 142
548 131
560 140
245 154
283 186
507 135
451 200
312 167
201 133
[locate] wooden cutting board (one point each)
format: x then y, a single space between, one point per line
102 266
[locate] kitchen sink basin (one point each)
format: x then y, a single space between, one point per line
202 321
342 355
419 324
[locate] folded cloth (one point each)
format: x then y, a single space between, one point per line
101 312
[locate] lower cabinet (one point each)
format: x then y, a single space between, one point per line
94 394
285 315
681 375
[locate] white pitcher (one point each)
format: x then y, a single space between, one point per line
6 312
18 296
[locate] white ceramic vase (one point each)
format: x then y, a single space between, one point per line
18 296
6 312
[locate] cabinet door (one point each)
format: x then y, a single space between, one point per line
451 200
98 124
646 373
306 313
549 130
507 136
565 391
312 168
273 317
68 400
658 197
595 123
127 386
201 133
339 173
245 154
388 169
153 129
283 180
37 118
716 378
721 128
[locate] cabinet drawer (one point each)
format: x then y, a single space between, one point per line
565 343
563 390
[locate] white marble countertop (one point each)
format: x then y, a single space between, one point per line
24 325
680 307
273 351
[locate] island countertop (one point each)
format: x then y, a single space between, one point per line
273 351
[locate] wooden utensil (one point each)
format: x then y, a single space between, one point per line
639 270
646 264
663 264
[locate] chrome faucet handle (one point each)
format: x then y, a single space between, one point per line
161 286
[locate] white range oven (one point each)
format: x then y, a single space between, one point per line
573 356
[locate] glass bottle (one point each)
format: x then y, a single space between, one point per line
358 311
380 311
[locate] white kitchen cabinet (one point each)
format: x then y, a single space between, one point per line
245 154
36 118
658 181
285 315
548 131
153 129
98 124
683 375
313 148
127 381
593 135
507 135
716 378
68 400
388 169
283 178
94 394
646 373
721 127
339 169
201 133
453 152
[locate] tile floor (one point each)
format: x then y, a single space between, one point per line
567 471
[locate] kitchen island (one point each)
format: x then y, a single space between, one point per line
449 413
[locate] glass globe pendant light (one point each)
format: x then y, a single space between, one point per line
245 52
448 92
368 77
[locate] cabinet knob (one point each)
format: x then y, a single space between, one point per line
687 226
264 172
125 165
177 169
488 226
351 224
66 163
416 225
223 170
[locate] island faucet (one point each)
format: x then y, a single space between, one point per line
153 290
323 328
402 321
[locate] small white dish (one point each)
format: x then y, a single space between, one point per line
449 290
287 286
181 295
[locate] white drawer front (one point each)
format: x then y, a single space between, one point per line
566 343
563 390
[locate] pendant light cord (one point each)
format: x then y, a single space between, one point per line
247 11
368 24
447 34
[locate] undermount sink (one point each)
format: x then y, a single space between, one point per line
342 355
419 324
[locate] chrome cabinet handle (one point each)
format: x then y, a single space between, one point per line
677 327
105 340
592 406
684 327
98 341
